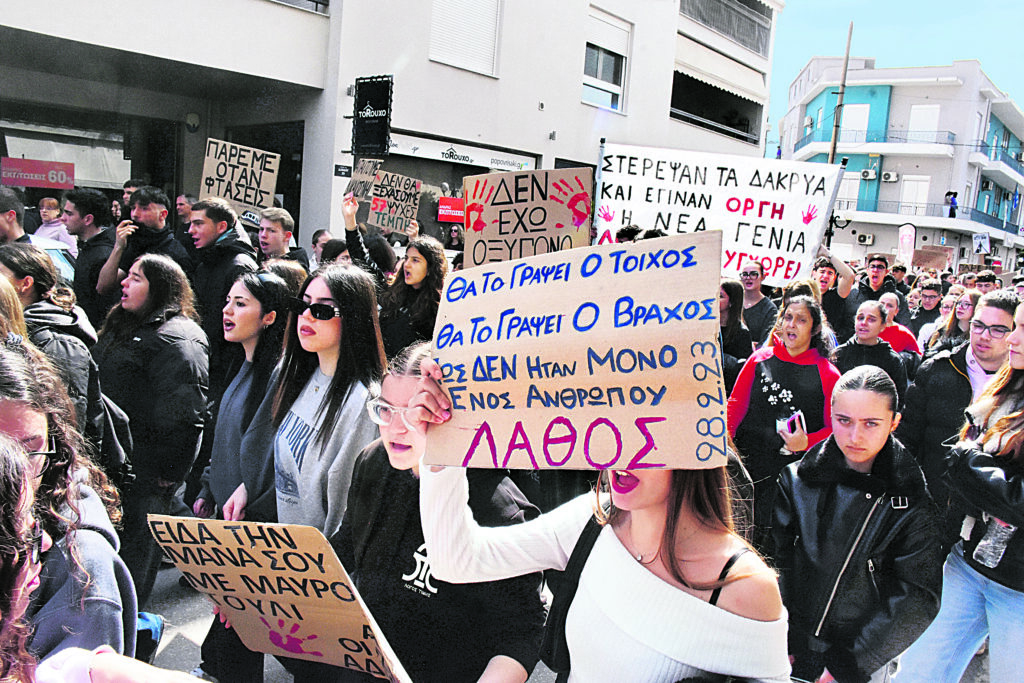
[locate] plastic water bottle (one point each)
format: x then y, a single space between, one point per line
991 548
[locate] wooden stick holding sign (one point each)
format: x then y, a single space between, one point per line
282 588
585 359
524 213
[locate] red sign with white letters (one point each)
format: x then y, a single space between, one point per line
451 209
37 173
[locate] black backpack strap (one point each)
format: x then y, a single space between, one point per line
553 650
713 600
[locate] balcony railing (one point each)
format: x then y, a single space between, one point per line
930 137
933 210
686 116
737 23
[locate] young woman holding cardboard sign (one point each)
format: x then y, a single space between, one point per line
670 587
439 631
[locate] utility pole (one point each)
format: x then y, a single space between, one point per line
838 117
837 120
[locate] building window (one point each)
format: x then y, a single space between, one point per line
605 59
465 33
602 83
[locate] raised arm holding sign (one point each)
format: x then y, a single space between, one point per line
603 358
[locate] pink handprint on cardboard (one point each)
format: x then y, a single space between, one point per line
578 204
289 642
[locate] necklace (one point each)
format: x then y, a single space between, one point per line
639 557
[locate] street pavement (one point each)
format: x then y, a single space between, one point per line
187 617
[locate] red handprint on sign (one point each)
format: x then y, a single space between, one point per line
578 204
809 214
289 642
482 192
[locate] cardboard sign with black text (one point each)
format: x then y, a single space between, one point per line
282 588
525 213
396 199
604 357
245 176
363 175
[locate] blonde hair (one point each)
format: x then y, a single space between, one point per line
12 319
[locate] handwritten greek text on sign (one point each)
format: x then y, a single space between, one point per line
594 358
768 210
244 176
396 199
282 588
524 213
363 176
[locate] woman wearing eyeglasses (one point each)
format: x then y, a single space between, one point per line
333 354
983 578
153 360
85 598
957 328
439 631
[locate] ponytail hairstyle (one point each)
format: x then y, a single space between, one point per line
28 260
869 378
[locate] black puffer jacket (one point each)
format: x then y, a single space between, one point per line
65 337
859 560
220 264
158 375
934 412
988 486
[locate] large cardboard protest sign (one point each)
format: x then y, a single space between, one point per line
596 358
245 176
282 588
768 210
396 199
524 213
363 176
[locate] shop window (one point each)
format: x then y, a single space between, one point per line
604 64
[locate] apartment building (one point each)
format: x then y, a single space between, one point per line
134 88
914 136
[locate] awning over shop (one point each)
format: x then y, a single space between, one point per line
704 64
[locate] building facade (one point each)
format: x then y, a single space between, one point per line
914 136
134 89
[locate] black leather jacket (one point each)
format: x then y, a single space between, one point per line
859 560
990 486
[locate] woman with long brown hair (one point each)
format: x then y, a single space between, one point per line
154 363
983 578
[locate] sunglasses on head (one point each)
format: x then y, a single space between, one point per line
318 311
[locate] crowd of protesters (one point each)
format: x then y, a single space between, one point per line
864 530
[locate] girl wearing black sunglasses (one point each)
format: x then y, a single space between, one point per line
333 354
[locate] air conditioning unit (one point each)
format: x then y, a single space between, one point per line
986 185
808 122
866 238
868 174
890 176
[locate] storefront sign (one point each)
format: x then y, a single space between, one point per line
371 122
459 153
37 173
451 209
245 176
282 588
771 211
596 358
